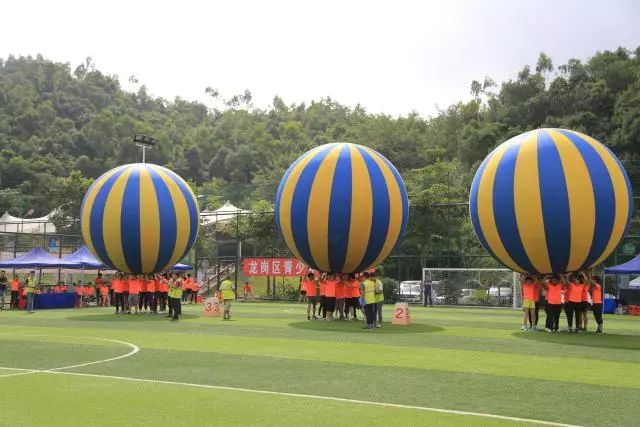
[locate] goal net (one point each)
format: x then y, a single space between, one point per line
497 287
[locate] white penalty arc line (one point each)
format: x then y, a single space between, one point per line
311 396
134 349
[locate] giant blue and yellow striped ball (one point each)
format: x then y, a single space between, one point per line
139 218
342 208
551 201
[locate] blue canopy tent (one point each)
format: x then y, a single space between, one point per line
181 267
36 259
39 259
85 259
629 267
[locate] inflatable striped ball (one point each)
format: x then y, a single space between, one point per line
550 201
342 208
139 218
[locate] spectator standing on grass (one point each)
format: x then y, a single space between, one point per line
553 307
247 291
98 284
534 315
104 295
175 293
227 295
15 291
427 290
379 293
150 302
330 297
368 290
573 298
3 287
323 283
30 290
341 289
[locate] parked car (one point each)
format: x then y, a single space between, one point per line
500 295
467 297
411 291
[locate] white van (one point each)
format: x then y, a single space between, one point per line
411 291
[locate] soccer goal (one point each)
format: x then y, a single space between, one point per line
497 287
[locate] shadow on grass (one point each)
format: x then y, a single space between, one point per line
350 326
111 318
589 339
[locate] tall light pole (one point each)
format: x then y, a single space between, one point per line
145 142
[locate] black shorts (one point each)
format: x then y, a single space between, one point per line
312 299
329 303
303 293
584 305
355 302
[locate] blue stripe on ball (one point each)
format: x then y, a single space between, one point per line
340 210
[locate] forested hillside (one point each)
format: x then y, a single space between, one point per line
61 126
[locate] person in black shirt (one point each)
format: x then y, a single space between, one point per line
3 287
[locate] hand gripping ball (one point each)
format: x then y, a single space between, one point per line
342 208
139 218
550 201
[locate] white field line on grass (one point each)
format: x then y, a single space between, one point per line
135 349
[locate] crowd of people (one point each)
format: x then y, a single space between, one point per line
576 294
341 296
128 293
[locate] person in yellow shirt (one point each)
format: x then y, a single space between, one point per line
175 294
30 290
367 290
227 294
379 296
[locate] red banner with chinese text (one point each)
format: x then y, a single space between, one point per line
273 267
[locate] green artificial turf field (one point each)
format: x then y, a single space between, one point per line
270 366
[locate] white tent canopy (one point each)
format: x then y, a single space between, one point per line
12 224
224 213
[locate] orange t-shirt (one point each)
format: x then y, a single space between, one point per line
78 290
247 288
529 291
596 294
134 286
88 291
341 289
323 286
143 285
575 292
99 281
585 293
310 287
195 287
187 284
104 290
116 284
150 285
355 289
554 293
164 286
15 285
330 288
125 285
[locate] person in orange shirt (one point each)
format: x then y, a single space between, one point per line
350 303
134 293
341 290
79 289
194 291
309 286
186 288
98 284
125 292
330 296
164 291
117 286
15 291
104 295
150 302
529 289
573 298
247 291
596 299
142 296
553 294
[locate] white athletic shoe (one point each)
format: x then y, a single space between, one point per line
547 330
524 328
